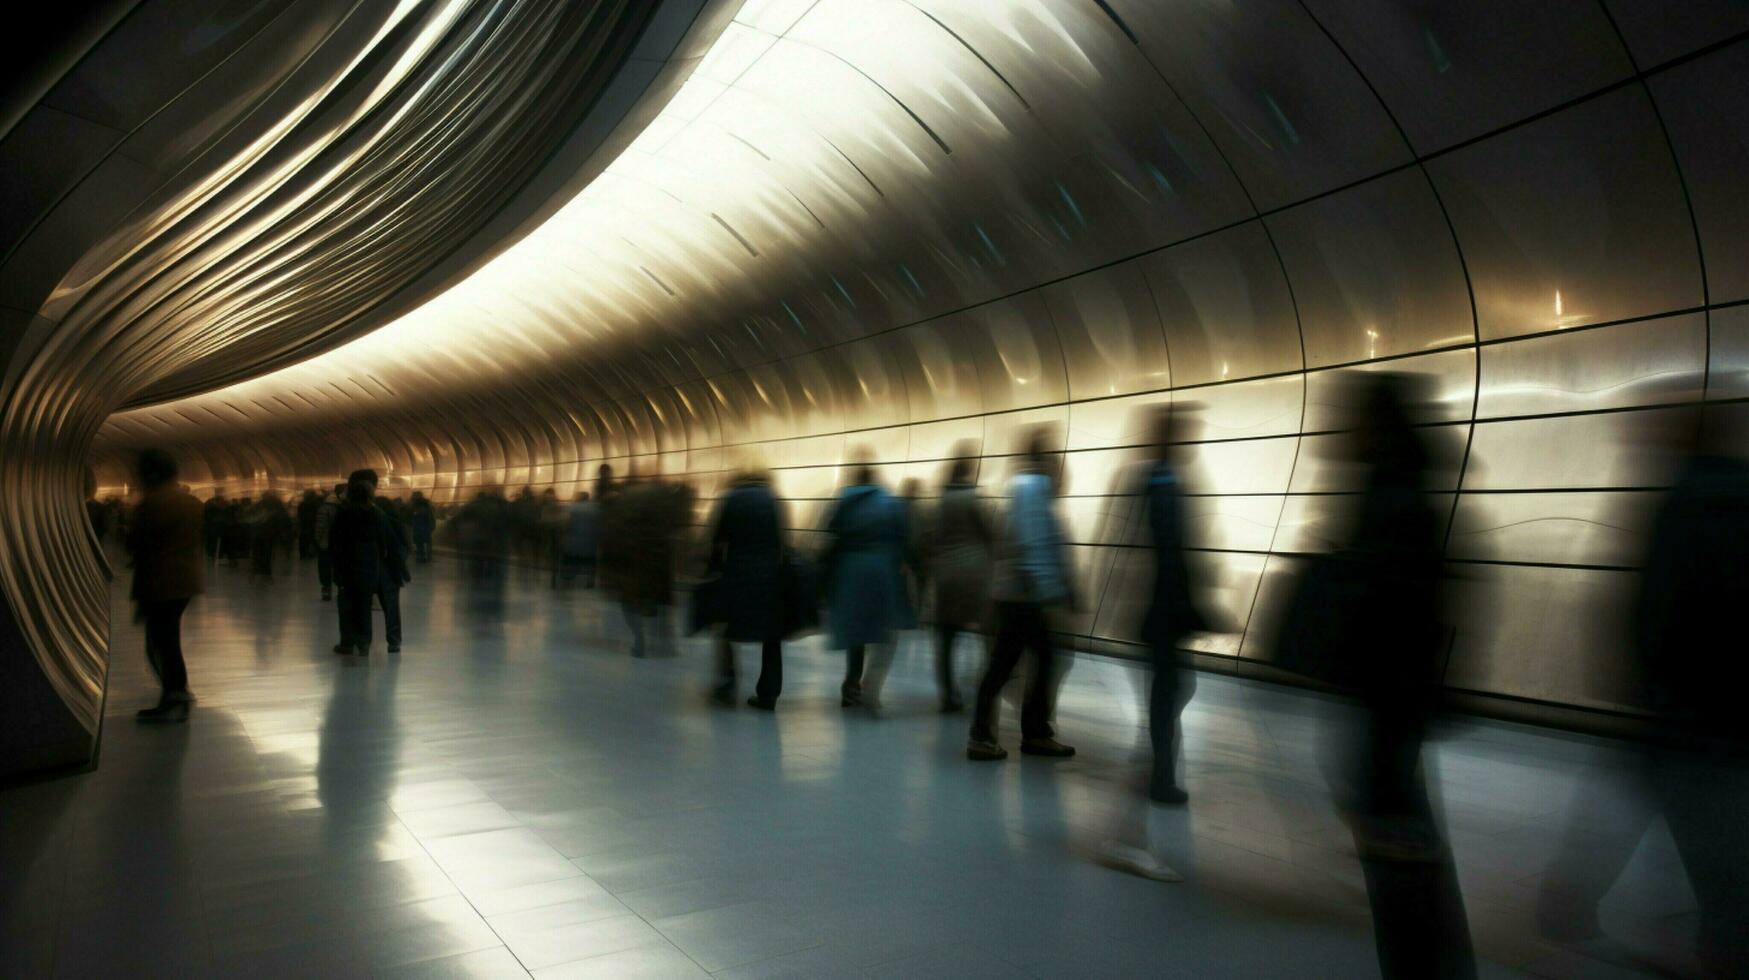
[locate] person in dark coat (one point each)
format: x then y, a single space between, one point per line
1684 640
746 556
580 541
308 505
1172 610
271 523
958 553
213 517
863 573
165 539
369 562
483 528
424 521
1379 595
647 523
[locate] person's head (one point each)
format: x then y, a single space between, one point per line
549 494
582 496
367 475
862 471
340 490
1172 426
1038 452
1382 435
359 490
965 460
156 468
418 496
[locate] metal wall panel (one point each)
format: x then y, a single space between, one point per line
1610 450
1711 139
1375 272
1110 333
1572 219
1644 363
1451 72
1657 31
1282 102
1728 353
1552 634
1603 528
1225 307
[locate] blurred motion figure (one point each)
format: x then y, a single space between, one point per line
165 541
864 579
957 553
746 555
1031 581
1367 619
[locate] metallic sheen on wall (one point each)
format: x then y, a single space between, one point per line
217 190
899 224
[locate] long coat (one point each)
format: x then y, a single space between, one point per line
1172 612
747 552
959 548
165 540
863 569
366 549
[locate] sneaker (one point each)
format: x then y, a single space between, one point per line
394 648
342 649
1046 747
985 750
1136 861
761 704
849 696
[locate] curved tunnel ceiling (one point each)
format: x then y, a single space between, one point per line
901 225
219 188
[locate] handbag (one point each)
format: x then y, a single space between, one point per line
705 606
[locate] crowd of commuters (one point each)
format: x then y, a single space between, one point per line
1366 620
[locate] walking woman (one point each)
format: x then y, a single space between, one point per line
747 556
958 550
865 584
165 540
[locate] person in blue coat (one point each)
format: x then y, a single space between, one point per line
864 579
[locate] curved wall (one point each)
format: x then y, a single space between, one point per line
218 189
901 225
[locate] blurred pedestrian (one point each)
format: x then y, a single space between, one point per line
580 541
1368 620
369 563
863 573
308 506
957 551
1031 582
270 522
424 521
164 538
325 515
746 556
212 523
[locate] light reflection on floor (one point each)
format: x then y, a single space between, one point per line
523 796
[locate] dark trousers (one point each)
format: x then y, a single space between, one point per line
1169 690
353 605
770 669
389 597
422 547
945 634
164 643
1020 627
324 568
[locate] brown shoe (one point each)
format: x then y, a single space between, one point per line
1046 747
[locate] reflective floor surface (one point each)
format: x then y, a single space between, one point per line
521 797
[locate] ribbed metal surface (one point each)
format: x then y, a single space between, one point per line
218 190
898 225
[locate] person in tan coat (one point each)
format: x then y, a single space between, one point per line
165 540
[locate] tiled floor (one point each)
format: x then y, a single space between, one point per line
521 796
